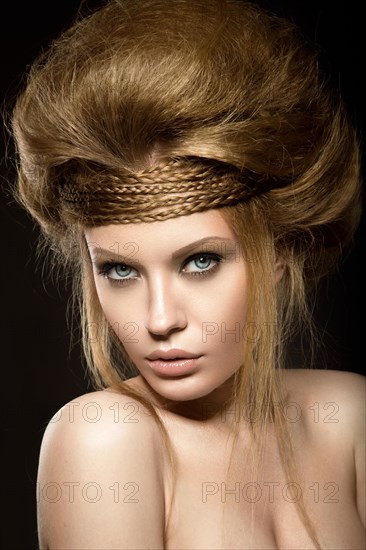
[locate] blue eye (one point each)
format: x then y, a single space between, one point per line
118 273
201 264
123 271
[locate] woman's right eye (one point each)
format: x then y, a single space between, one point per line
117 273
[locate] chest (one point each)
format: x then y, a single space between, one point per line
227 497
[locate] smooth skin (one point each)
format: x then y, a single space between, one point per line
104 479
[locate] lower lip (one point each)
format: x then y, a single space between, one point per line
173 367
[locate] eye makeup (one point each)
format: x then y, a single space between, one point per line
203 264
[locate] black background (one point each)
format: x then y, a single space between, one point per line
40 373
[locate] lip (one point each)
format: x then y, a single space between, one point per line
170 354
173 362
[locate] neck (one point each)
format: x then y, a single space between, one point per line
217 406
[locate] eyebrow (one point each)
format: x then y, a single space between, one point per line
198 244
214 240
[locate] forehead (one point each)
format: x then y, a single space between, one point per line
167 235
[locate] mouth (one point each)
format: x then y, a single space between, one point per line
173 363
172 355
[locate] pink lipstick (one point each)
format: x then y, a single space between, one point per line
173 362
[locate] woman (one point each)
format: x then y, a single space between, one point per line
187 161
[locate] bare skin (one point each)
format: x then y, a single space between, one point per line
104 477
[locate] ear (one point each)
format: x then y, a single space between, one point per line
279 269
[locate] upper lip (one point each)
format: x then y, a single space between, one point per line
171 354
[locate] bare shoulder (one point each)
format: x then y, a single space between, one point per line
345 389
326 376
329 397
105 411
101 420
332 407
100 467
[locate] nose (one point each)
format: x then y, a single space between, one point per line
166 313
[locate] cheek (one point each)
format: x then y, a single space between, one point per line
108 305
228 300
121 315
223 324
125 325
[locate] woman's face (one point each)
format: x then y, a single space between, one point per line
175 293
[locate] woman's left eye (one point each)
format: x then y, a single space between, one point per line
201 263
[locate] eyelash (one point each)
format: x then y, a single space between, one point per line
107 267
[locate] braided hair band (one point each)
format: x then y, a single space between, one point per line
179 187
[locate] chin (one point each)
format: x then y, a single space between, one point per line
183 389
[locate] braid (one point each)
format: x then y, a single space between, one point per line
176 188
